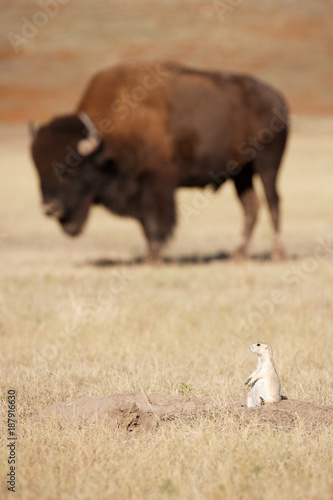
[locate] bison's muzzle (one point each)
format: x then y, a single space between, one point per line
72 228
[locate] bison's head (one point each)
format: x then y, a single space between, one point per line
65 152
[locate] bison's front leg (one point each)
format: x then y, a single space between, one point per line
158 214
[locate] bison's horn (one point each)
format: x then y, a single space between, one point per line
32 129
89 145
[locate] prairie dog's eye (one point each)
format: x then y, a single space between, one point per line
258 345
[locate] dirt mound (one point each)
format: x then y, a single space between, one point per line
289 412
131 411
140 411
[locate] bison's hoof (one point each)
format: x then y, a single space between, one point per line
239 254
154 253
277 255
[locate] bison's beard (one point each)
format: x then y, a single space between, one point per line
72 228
74 222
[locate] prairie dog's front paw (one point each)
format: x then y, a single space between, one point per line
251 381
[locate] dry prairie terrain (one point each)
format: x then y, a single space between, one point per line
85 317
71 327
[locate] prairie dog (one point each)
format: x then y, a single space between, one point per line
264 381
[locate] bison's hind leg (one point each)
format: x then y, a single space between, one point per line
267 164
250 203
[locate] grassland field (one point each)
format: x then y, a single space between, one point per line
71 327
85 317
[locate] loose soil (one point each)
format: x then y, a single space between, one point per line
138 411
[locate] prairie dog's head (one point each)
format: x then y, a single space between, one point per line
261 349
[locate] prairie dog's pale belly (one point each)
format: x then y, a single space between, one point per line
259 390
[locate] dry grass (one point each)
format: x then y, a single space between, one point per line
70 329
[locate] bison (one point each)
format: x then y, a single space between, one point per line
142 130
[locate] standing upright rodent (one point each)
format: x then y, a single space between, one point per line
264 381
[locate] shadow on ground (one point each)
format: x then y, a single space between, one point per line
182 260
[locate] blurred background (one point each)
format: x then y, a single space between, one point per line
50 48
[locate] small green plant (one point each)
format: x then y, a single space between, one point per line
185 389
257 469
168 487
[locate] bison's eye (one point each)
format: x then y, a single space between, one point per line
258 345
